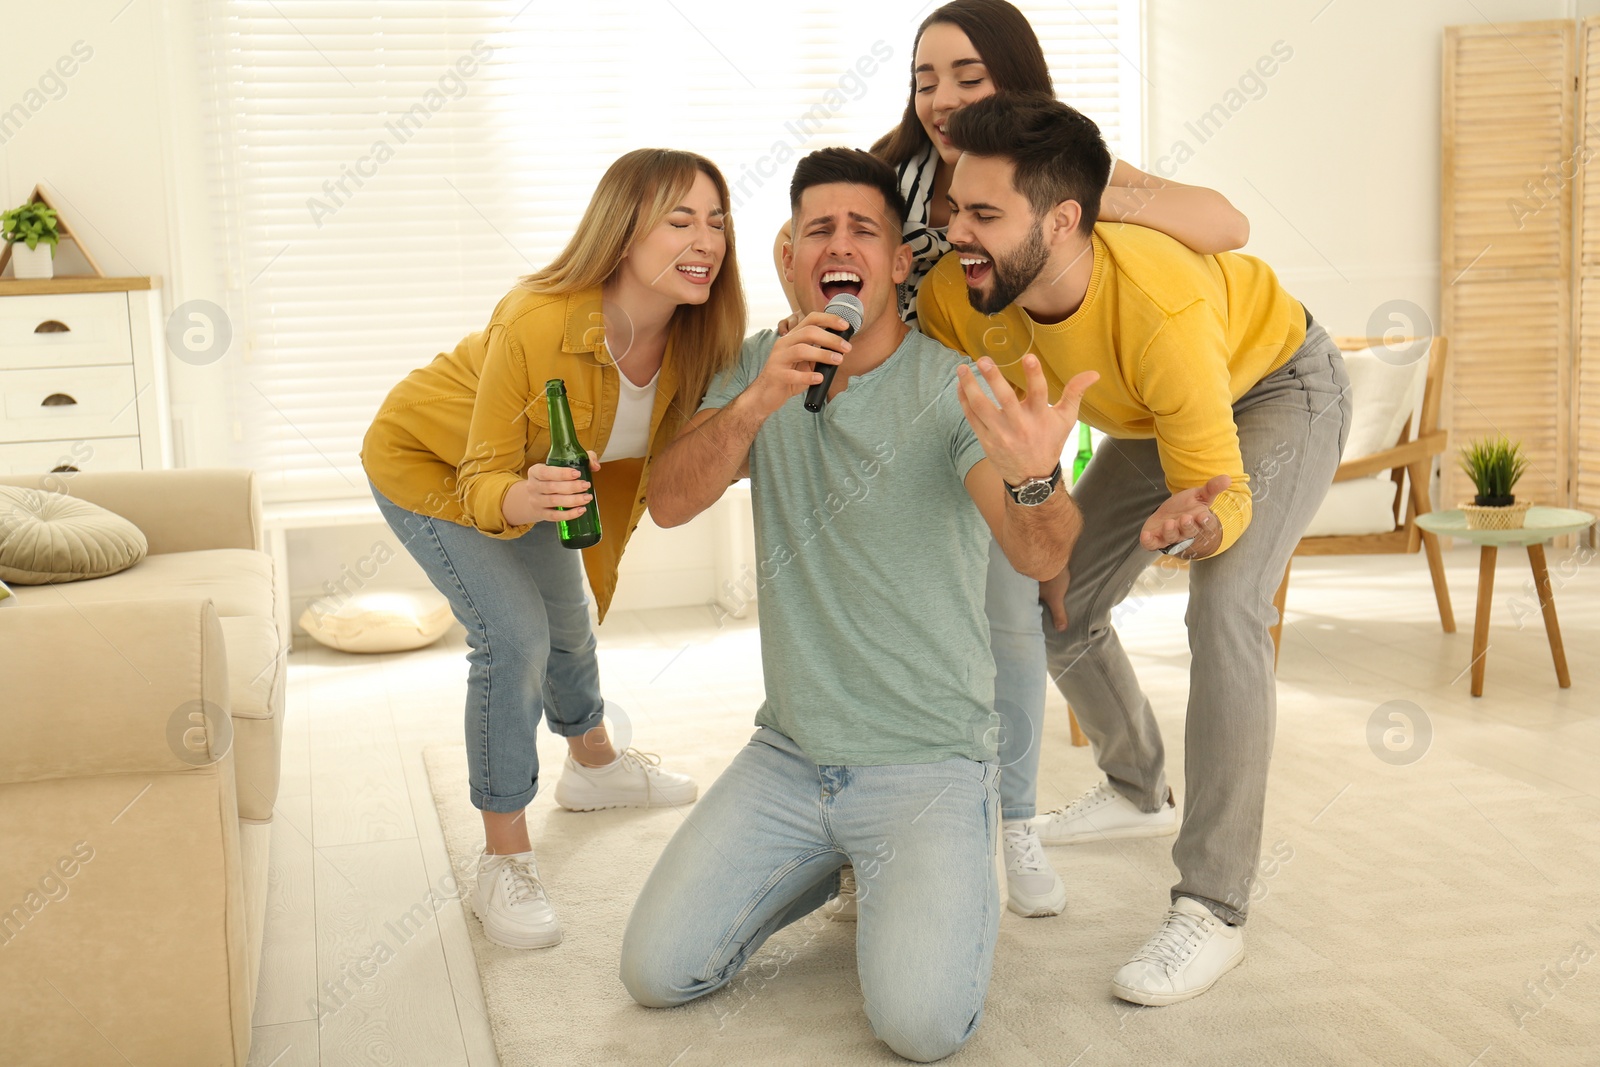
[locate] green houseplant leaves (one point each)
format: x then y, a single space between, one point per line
1494 467
31 224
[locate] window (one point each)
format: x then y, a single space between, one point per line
386 169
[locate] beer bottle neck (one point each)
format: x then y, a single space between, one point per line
563 435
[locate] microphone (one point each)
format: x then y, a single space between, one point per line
850 310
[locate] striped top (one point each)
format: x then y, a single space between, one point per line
928 243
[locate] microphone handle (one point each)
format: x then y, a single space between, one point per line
817 395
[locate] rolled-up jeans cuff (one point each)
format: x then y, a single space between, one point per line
503 805
563 729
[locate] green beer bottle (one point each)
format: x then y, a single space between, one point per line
565 451
1085 452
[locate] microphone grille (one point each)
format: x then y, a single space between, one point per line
848 308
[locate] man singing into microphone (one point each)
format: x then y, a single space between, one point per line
1209 372
876 743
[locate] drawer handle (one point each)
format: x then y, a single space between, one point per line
58 400
65 468
52 326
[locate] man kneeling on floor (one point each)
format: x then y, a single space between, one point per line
876 743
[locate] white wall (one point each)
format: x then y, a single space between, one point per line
1336 159
119 143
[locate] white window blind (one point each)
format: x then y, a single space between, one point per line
385 169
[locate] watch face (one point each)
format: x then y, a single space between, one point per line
1035 493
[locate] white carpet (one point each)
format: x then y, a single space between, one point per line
1417 902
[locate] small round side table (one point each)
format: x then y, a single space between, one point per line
1540 526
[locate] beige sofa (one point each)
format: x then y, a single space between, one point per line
141 720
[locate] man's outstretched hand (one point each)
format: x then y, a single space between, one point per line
1184 515
1022 438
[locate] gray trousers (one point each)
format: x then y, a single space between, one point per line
1292 428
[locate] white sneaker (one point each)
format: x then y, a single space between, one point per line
633 780
842 908
1103 814
1185 958
1033 889
509 900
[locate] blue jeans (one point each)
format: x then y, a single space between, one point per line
763 849
1017 642
532 647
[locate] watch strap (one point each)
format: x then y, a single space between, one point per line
1054 480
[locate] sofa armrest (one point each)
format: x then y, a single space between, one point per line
177 510
118 687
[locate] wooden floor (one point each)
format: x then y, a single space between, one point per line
366 957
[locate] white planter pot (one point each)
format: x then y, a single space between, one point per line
32 262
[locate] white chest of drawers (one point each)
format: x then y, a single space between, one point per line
82 376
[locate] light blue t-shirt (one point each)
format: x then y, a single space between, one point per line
872 564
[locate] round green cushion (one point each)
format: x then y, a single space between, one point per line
50 537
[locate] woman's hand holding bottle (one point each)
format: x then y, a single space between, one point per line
546 492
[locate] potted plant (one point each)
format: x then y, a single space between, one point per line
1494 467
25 228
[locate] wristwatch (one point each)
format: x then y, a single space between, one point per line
1035 491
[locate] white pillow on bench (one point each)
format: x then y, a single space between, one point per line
386 621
